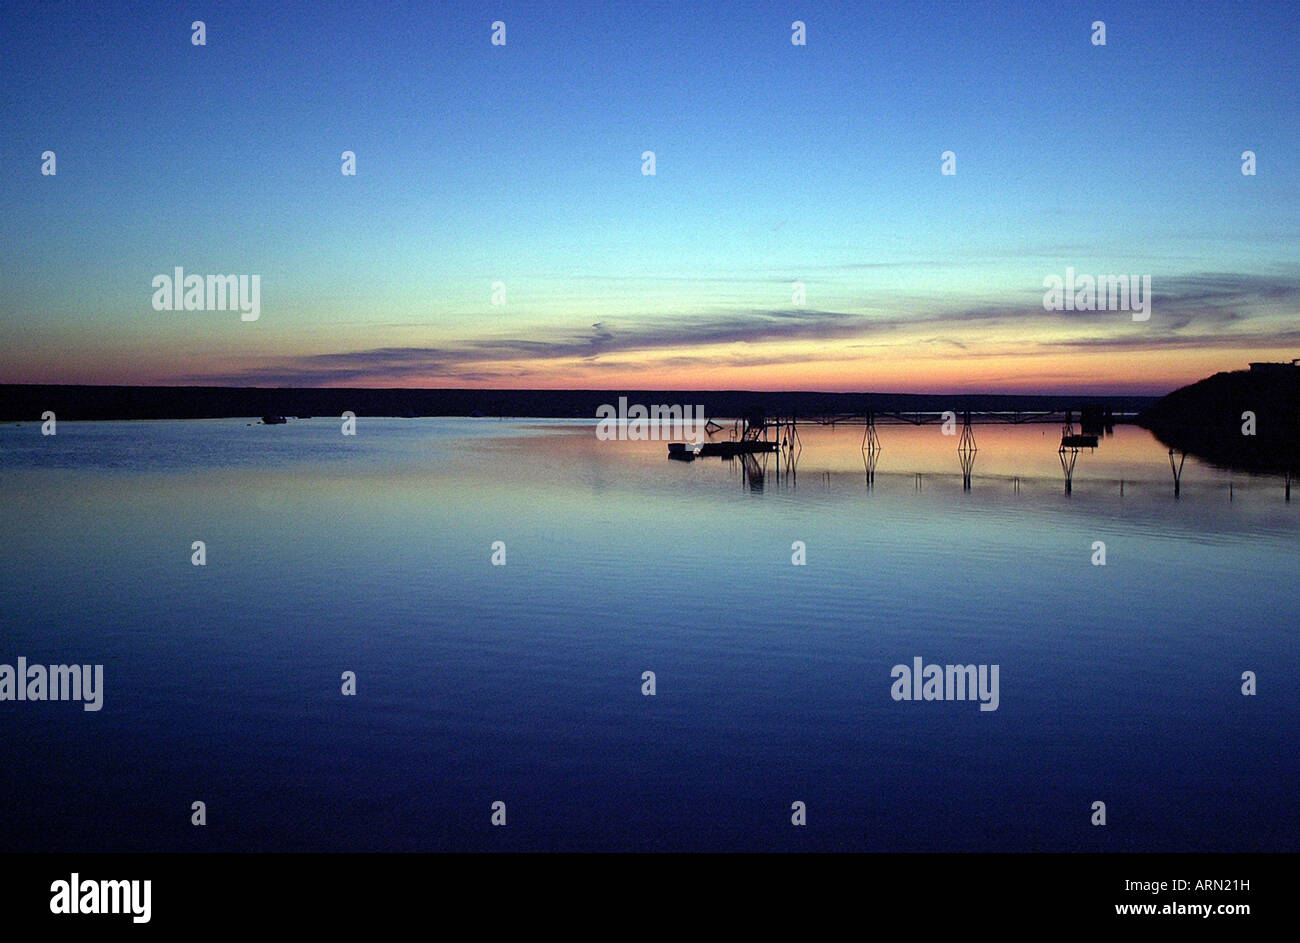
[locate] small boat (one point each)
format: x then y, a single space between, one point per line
682 451
736 447
1078 441
273 420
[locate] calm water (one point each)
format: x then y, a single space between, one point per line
522 683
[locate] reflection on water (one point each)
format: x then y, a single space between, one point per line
523 682
987 455
1254 455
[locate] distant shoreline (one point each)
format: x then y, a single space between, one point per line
26 402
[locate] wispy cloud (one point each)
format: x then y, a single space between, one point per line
1195 311
645 335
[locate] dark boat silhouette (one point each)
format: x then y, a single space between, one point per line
736 447
1079 441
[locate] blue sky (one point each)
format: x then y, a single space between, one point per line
521 164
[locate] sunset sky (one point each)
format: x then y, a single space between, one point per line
775 163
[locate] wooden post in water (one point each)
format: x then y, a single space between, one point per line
1178 471
966 451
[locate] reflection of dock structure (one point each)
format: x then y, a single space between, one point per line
1094 421
1177 470
758 435
966 452
1071 444
870 451
756 439
1200 420
752 440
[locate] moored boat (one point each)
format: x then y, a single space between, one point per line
736 447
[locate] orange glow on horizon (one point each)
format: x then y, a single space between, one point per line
899 369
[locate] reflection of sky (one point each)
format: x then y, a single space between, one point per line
544 455
522 165
372 554
1028 451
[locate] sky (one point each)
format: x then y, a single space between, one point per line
483 167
